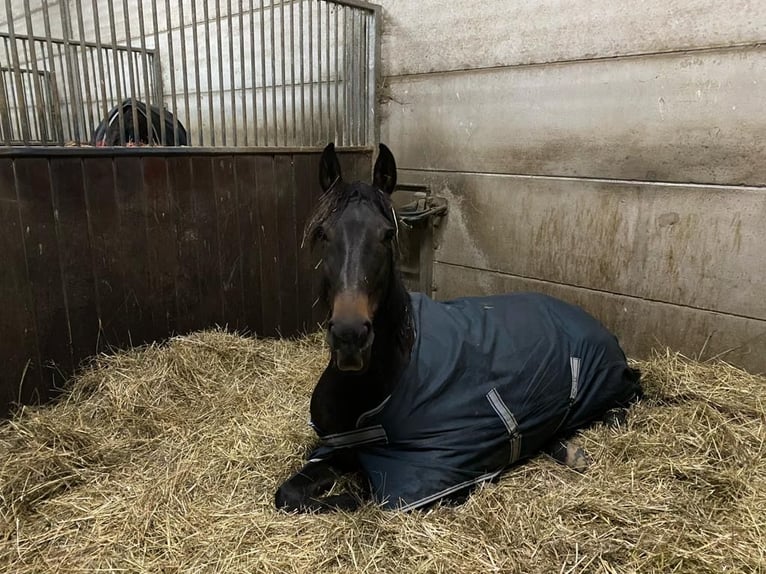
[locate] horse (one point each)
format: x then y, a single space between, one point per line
425 400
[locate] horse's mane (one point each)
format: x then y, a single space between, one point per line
337 198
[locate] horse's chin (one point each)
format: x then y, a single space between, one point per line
353 362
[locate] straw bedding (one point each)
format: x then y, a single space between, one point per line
165 459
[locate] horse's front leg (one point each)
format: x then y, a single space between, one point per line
303 491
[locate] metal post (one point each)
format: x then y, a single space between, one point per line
5 120
131 71
145 70
274 75
196 74
157 71
253 80
282 58
303 81
242 76
375 77
336 77
320 113
221 94
330 135
20 95
57 121
235 123
206 15
311 76
40 102
263 77
292 69
85 77
117 65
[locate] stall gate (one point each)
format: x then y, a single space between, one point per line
109 247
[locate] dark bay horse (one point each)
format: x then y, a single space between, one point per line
426 400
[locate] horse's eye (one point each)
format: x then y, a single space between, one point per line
389 235
320 234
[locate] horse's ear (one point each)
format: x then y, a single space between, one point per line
384 174
329 167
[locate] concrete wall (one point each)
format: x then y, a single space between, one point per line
609 153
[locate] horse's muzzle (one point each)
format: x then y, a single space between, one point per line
351 344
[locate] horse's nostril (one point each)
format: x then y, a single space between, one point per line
350 333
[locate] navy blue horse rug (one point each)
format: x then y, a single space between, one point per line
491 381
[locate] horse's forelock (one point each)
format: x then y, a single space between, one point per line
336 199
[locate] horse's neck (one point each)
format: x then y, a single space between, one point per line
393 339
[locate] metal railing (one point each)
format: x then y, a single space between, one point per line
225 73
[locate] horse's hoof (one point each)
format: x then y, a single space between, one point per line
571 455
577 458
615 418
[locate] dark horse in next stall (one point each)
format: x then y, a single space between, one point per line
426 400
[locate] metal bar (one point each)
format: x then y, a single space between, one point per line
157 70
20 96
303 81
330 135
338 137
85 77
36 82
16 116
274 75
75 88
97 29
111 83
346 84
311 76
88 44
58 123
284 79
320 113
50 115
219 151
363 85
145 70
96 103
354 67
242 61
368 6
263 77
375 77
172 71
235 123
5 118
196 73
131 72
182 38
292 69
117 67
253 81
52 68
221 94
206 15
66 108
34 126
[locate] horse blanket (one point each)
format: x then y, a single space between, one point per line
147 132
491 381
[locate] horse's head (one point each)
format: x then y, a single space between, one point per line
354 228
